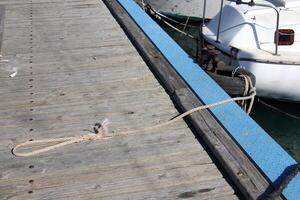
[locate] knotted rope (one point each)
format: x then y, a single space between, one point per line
104 130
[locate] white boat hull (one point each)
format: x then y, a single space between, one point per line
277 81
186 8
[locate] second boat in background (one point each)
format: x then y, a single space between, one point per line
192 9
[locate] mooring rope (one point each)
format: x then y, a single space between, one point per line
249 88
146 5
277 109
160 17
246 90
104 130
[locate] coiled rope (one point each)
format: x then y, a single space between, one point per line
249 88
104 130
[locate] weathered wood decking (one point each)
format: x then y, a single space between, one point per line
75 67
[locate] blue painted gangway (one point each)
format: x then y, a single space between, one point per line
268 156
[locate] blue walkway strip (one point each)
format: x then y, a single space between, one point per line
261 148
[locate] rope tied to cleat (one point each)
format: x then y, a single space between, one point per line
103 130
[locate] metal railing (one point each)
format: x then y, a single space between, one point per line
220 20
252 3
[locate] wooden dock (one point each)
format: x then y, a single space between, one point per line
76 67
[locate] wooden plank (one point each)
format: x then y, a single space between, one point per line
2 17
217 189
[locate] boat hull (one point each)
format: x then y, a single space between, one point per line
273 80
186 8
277 81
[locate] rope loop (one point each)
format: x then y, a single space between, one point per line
63 141
249 89
103 130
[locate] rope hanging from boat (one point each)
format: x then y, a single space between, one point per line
277 109
146 6
249 88
103 130
160 17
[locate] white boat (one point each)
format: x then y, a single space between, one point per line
247 37
192 9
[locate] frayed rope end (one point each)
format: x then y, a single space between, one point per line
104 126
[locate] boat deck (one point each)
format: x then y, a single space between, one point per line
75 67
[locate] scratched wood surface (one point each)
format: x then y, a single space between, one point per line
75 66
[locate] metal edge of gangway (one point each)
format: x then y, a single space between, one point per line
254 161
